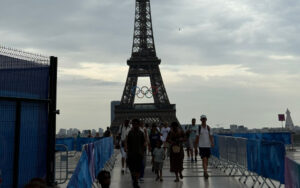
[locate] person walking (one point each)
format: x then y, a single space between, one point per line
135 147
206 141
193 129
164 134
158 160
123 132
145 132
187 143
175 138
154 136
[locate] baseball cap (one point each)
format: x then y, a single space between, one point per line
203 117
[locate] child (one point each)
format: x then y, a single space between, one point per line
158 159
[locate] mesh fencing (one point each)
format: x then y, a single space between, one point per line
23 75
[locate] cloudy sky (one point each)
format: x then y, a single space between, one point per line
237 61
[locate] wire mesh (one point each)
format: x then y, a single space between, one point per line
23 78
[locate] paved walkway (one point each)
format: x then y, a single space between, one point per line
193 177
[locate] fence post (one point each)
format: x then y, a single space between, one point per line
50 178
17 145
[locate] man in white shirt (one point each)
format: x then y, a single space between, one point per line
164 134
123 132
205 142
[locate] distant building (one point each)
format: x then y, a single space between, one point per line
94 132
233 127
62 132
289 122
242 129
112 109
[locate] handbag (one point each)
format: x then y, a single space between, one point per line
176 149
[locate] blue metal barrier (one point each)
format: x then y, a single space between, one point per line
92 161
272 160
215 150
264 158
69 142
81 176
82 141
283 137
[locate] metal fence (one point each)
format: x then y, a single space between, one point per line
256 160
27 116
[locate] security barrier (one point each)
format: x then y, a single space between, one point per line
75 144
27 117
250 159
68 142
61 164
283 137
93 159
292 173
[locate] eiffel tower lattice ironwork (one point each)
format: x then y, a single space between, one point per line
144 63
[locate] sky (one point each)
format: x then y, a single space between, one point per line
237 61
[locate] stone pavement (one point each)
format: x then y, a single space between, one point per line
193 177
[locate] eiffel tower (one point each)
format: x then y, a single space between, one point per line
144 63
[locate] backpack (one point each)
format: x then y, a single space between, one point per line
199 130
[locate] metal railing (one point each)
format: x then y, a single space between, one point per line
233 161
62 164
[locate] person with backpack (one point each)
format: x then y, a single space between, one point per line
205 141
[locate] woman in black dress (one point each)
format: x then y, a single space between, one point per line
175 138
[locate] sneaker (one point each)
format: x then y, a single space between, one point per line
195 159
123 170
141 180
192 160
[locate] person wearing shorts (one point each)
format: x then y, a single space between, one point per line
205 142
193 129
158 160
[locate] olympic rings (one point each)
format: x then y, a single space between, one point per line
144 91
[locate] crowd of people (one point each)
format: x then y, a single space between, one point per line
161 141
136 140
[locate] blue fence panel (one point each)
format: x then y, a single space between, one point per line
81 177
215 150
95 156
89 149
98 157
283 137
272 160
278 137
31 82
7 140
33 142
253 156
82 141
69 142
